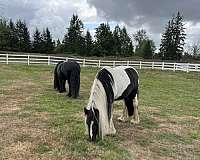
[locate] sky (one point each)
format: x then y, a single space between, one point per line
151 15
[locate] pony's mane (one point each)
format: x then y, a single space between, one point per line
105 77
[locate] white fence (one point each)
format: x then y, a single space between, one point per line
49 60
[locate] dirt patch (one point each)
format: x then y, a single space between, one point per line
22 132
16 95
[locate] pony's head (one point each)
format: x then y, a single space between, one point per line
92 122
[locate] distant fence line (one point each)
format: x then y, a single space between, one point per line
52 60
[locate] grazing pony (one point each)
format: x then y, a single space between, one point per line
111 84
69 71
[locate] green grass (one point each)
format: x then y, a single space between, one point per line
54 124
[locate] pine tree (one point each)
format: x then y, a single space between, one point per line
59 47
23 36
13 40
166 42
173 38
117 40
58 42
140 37
126 43
74 40
104 41
88 43
37 41
179 36
147 49
49 44
4 34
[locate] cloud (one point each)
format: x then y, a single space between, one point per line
54 14
149 14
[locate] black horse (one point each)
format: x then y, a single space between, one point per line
69 71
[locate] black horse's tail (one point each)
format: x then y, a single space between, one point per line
75 82
56 82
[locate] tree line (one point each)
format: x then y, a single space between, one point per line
15 36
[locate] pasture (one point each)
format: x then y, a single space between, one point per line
36 122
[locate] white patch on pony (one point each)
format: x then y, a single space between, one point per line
121 79
91 124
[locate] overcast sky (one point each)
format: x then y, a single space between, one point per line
151 15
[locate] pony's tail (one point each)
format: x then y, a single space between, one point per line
56 81
75 83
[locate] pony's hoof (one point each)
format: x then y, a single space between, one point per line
135 121
121 119
69 95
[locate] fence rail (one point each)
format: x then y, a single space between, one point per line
52 60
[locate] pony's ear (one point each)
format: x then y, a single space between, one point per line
86 111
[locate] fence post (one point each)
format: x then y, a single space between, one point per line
163 65
140 64
127 63
196 67
48 60
152 65
99 65
83 62
6 58
188 67
174 67
66 59
113 63
28 59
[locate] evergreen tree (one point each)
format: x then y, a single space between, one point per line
166 42
49 44
126 43
104 41
23 36
59 47
117 40
43 41
74 40
88 43
140 37
173 38
148 49
58 42
37 41
4 34
179 36
13 40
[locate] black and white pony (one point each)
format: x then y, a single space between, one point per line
69 71
111 84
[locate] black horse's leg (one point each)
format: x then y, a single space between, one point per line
70 89
129 104
56 83
62 87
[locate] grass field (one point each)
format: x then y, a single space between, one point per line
36 122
